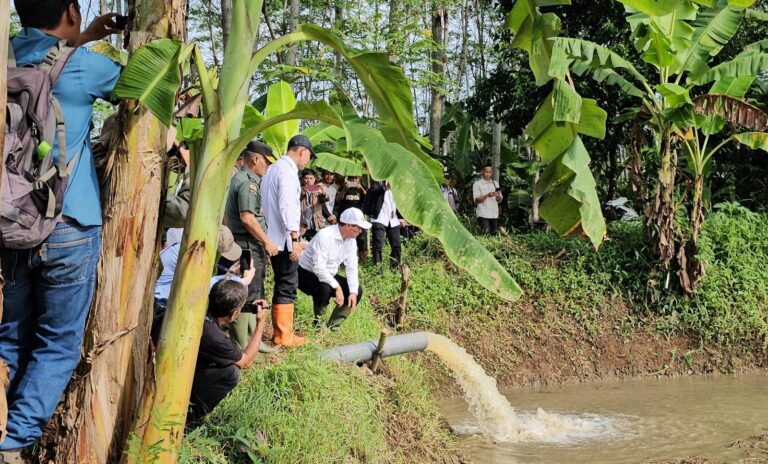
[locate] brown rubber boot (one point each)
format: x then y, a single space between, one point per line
282 322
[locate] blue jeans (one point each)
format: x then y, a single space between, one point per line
48 291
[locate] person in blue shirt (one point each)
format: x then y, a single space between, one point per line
49 288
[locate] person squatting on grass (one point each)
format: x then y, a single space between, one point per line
319 267
49 288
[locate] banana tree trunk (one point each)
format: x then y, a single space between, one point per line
691 270
102 399
660 214
4 29
439 59
163 411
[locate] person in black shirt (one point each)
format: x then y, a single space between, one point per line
219 360
351 195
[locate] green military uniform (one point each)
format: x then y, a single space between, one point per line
245 195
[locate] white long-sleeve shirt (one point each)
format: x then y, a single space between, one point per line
280 193
326 252
388 214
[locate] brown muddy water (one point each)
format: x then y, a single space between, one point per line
636 421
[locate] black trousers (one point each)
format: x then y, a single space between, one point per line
259 254
488 226
321 292
392 234
286 278
209 386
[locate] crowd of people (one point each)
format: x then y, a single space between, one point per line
304 225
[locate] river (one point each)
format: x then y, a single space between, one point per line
633 421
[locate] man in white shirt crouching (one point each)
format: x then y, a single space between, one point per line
319 267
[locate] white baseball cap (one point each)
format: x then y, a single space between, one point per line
355 217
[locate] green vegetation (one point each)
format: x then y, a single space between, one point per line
302 410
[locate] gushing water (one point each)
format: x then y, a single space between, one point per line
496 418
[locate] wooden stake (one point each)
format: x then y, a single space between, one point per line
379 348
401 304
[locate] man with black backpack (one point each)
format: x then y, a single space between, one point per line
50 271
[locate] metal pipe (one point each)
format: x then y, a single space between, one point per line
364 351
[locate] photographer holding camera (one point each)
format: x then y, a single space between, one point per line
220 359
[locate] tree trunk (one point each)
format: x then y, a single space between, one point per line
102 399
294 24
691 270
393 25
535 199
496 154
660 214
439 59
5 23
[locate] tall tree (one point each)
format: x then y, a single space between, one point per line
439 59
293 24
103 397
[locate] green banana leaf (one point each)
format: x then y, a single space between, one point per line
337 164
594 57
323 132
653 7
566 181
674 94
661 38
280 100
754 140
714 28
573 202
759 46
153 76
749 63
389 90
418 198
736 87
533 30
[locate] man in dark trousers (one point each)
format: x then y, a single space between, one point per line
246 221
319 267
281 193
386 221
352 195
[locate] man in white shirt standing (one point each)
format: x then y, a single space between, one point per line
386 223
319 267
487 195
281 192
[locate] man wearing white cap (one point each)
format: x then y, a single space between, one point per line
319 267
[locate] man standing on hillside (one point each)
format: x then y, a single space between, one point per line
246 220
49 288
281 193
487 197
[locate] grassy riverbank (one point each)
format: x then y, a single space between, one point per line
586 315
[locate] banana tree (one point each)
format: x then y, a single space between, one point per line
392 150
678 39
568 190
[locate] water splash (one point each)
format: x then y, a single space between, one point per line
496 418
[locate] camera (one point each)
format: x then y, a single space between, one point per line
120 22
245 260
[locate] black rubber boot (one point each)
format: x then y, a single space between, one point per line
319 313
338 316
